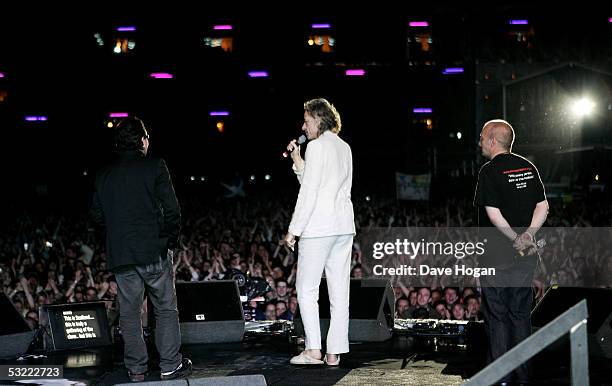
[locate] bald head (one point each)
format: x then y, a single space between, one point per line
502 131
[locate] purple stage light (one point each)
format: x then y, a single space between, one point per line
223 27
519 22
418 24
1 74
219 113
422 110
258 74
161 75
126 29
321 26
32 118
452 70
119 115
355 72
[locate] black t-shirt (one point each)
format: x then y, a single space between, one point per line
512 184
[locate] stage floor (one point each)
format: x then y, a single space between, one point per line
400 361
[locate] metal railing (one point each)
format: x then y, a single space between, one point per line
572 321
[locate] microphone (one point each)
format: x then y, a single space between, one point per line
298 141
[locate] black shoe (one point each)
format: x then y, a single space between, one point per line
136 377
183 370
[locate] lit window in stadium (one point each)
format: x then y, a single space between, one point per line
225 43
99 39
325 43
419 42
426 123
521 32
220 37
123 45
319 38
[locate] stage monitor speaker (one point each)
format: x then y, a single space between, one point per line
75 325
209 312
234 380
371 309
15 334
599 323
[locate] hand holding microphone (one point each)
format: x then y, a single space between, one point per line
292 146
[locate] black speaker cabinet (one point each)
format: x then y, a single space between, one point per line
209 312
371 309
15 334
599 323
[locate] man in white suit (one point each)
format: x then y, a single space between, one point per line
323 219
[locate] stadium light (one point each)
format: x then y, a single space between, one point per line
583 106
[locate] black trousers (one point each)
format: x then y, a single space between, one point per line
507 299
158 279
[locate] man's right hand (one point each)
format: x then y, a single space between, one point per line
295 155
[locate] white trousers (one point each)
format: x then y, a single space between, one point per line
332 254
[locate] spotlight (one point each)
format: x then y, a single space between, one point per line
367 198
252 178
192 178
459 135
583 106
109 124
267 177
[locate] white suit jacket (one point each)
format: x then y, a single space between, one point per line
324 206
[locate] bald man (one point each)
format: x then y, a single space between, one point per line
512 207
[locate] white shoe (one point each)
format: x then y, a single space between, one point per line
304 359
336 363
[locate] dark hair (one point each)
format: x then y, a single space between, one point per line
436 304
456 289
129 133
326 112
427 288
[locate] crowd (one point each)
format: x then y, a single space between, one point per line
59 258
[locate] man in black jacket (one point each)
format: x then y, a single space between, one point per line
135 200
